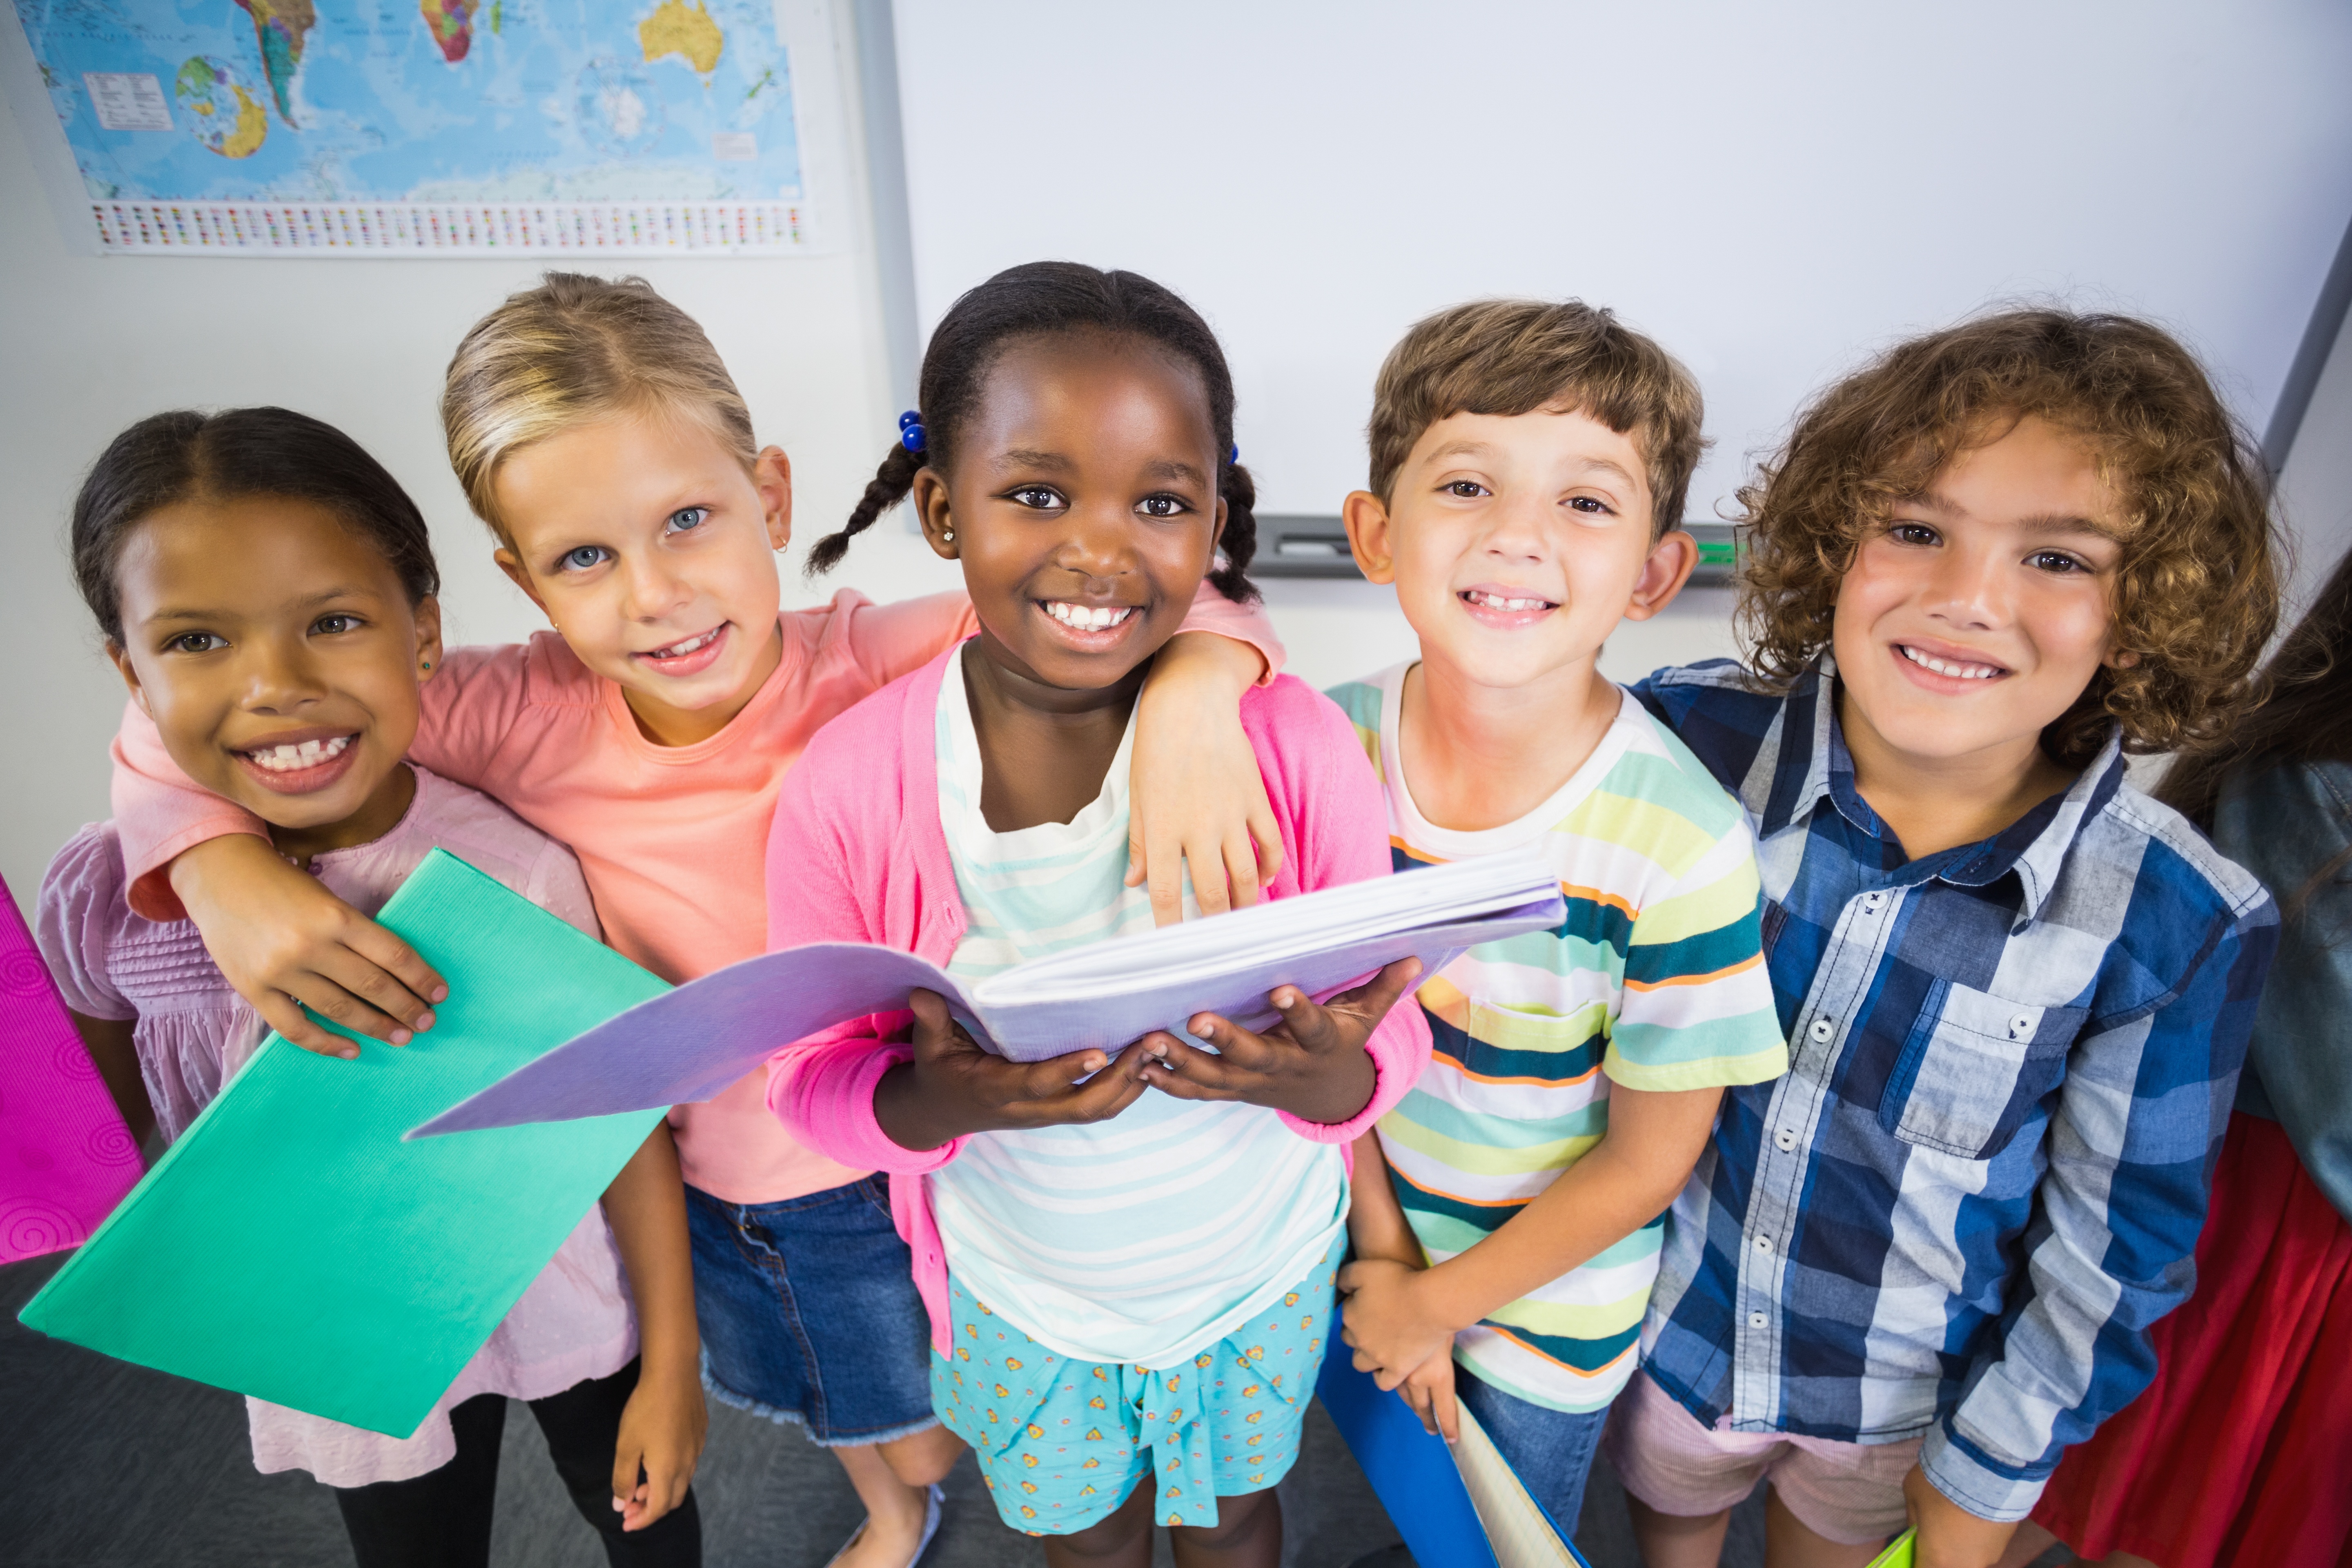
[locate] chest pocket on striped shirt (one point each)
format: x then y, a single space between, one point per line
1973 1068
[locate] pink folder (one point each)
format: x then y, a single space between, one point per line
66 1157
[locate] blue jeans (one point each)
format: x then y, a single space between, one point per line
1551 1450
809 1313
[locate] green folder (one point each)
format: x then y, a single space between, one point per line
291 1246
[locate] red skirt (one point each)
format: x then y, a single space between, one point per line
2240 1451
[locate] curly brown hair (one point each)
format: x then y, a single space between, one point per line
2197 592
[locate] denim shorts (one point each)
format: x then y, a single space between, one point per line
809 1313
1551 1450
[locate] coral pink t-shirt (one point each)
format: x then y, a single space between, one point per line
671 838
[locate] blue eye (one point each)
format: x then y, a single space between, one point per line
582 558
688 517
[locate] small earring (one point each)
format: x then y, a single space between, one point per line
947 536
428 664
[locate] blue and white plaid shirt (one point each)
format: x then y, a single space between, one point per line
2012 1064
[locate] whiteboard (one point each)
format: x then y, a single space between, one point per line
1772 191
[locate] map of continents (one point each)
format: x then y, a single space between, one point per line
421 100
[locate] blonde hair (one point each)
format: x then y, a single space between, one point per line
1510 357
572 350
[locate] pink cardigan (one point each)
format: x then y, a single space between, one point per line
858 853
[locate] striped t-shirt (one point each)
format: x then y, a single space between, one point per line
1655 981
1147 1237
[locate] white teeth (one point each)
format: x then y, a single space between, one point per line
1496 602
679 650
1947 667
306 754
1088 618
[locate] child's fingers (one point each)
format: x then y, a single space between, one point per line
1164 876
933 1025
389 973
1372 1000
1234 1045
1265 835
285 1015
1238 866
1174 1067
1441 1401
628 1465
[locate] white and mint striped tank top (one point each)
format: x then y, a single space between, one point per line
1148 1237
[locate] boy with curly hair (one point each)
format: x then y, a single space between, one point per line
1906 1276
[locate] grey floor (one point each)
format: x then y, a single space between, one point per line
115 1466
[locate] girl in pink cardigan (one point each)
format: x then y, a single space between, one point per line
1127 1260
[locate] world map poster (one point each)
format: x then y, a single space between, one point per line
426 127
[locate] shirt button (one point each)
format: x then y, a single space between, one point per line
1786 1138
1822 1030
1763 1243
1871 902
1755 1320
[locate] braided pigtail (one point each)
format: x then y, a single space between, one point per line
887 488
1238 544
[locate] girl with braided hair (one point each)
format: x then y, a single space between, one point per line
1128 1258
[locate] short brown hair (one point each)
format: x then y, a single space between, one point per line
2196 592
1509 357
575 349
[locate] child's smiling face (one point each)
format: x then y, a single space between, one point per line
1082 497
1518 543
650 548
1981 610
277 653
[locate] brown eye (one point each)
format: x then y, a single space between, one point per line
1036 497
1468 490
1911 533
196 642
1162 506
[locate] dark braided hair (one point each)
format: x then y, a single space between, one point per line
1040 299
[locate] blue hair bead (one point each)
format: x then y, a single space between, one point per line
912 416
911 438
1234 458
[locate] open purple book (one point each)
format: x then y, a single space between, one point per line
689 1044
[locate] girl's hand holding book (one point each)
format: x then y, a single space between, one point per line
954 1087
1312 1064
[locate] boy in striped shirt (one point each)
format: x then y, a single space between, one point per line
1526 459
